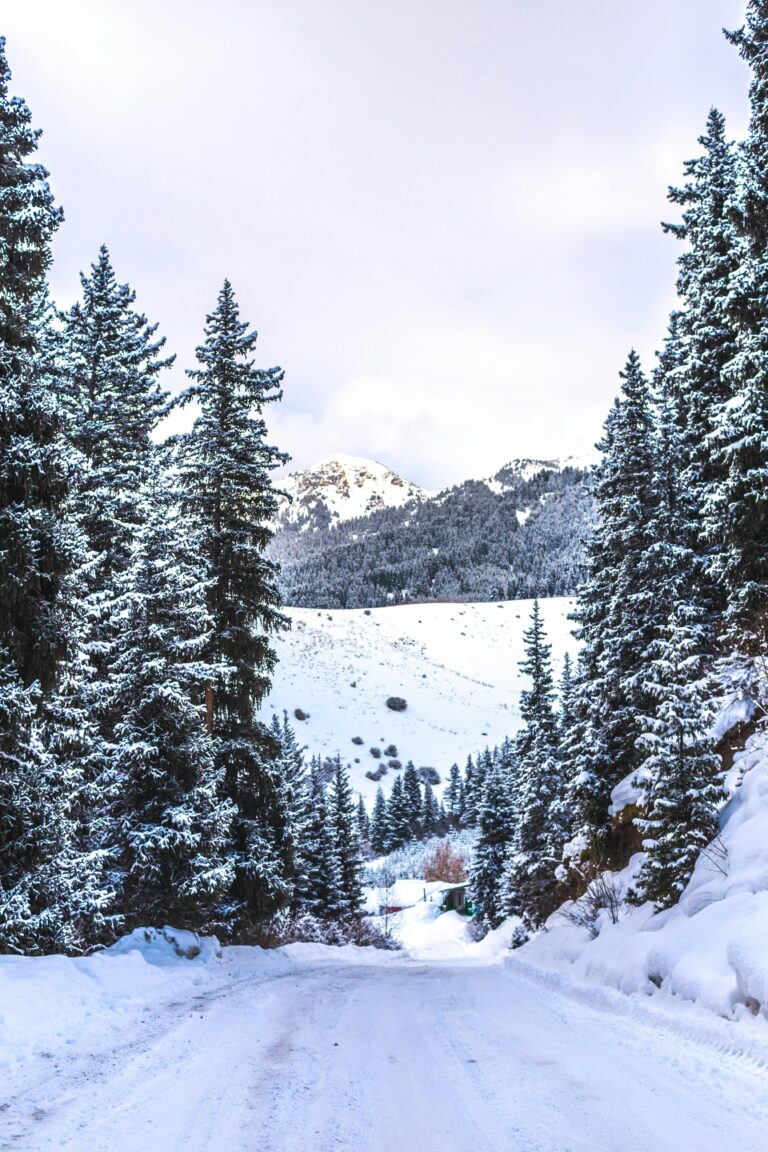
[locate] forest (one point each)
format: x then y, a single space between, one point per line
140 591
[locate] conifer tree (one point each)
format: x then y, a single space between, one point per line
379 834
319 882
413 800
113 403
174 827
529 882
343 815
617 609
496 825
225 466
738 507
363 822
430 813
454 797
399 817
37 548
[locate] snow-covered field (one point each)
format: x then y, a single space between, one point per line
312 1049
456 665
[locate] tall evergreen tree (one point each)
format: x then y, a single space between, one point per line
347 843
37 549
496 826
225 466
378 833
738 508
174 827
530 883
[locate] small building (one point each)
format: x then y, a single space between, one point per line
455 899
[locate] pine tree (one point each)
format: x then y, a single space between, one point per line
530 882
225 466
412 796
174 827
37 547
379 832
682 769
454 797
430 813
399 822
617 609
319 881
363 822
567 696
496 825
346 842
737 512
112 401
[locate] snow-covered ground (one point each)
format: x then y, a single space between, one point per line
456 665
712 947
312 1049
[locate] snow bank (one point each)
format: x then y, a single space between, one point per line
712 947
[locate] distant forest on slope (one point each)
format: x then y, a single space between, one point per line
467 543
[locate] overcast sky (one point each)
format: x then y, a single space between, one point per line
442 216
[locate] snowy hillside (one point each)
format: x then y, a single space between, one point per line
712 947
508 476
456 665
343 488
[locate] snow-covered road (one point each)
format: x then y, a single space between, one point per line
388 1056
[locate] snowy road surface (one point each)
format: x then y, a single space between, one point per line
390 1056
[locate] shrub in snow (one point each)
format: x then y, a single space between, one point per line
375 752
395 765
357 740
376 774
601 903
300 714
445 862
429 775
397 704
390 750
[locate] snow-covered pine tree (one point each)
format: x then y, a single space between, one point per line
737 514
430 813
343 816
567 695
378 833
225 466
496 826
412 795
454 797
530 883
319 882
37 549
681 773
363 823
113 403
617 609
399 823
703 340
173 824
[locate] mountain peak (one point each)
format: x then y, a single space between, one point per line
342 487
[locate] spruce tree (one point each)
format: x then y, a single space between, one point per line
319 885
37 547
430 813
225 466
378 832
412 795
343 815
399 823
174 826
738 507
496 826
113 403
530 882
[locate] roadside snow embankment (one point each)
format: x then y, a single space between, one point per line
50 1004
712 947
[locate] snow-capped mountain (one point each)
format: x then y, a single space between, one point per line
509 475
344 488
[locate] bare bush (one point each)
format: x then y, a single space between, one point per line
444 862
716 854
602 895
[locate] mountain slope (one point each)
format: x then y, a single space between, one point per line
517 534
456 665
